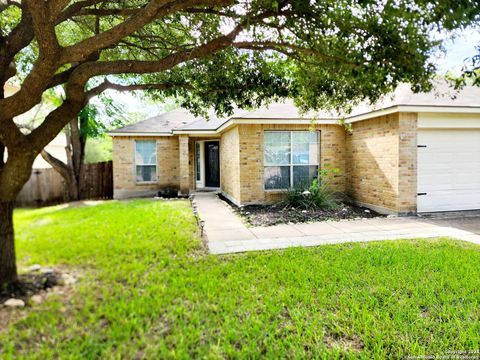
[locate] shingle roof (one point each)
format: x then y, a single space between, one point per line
203 124
163 123
180 119
285 110
276 111
443 94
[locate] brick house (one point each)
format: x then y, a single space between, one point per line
408 153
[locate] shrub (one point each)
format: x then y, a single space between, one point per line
315 195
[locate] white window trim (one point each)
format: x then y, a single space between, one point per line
291 164
200 183
135 163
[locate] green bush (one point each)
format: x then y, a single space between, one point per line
315 195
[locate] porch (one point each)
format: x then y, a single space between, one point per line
199 160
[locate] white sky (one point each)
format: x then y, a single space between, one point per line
457 50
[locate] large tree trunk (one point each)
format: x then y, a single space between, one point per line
77 143
8 268
13 176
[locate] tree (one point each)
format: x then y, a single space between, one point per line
216 53
470 73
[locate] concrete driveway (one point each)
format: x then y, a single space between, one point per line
466 220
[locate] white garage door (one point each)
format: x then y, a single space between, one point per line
448 170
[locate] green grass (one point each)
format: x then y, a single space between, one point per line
149 291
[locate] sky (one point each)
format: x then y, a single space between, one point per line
457 50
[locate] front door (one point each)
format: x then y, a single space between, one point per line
212 164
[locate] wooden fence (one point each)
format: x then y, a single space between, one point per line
98 180
47 187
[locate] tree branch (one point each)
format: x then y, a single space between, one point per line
10 134
107 12
282 47
43 27
36 22
61 77
58 165
76 96
153 10
75 8
85 71
107 85
18 38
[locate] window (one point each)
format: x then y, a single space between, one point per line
197 162
291 158
146 160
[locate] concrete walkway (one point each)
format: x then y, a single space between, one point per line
226 233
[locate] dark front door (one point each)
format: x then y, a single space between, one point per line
212 164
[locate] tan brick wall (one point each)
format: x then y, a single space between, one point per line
184 156
230 164
124 182
372 161
407 164
332 151
381 162
191 164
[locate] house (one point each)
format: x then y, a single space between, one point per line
408 153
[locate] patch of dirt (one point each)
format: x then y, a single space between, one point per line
266 215
344 343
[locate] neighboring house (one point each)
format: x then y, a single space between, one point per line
56 147
409 153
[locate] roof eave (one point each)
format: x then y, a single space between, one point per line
194 131
143 134
239 121
413 108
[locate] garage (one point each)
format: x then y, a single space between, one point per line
448 163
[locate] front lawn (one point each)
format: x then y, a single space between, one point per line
149 291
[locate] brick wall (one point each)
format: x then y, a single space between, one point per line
332 151
230 164
191 164
124 181
184 157
381 162
407 164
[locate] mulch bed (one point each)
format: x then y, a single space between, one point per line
266 215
